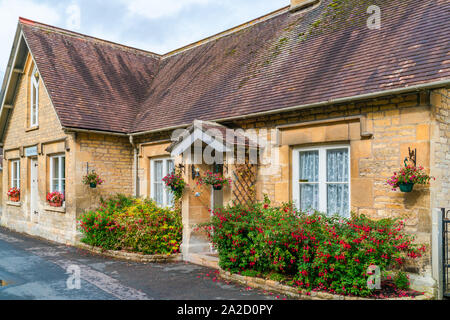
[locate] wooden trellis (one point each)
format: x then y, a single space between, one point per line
244 184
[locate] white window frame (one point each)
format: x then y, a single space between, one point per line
165 161
61 173
34 100
322 174
15 174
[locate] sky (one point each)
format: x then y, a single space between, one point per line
154 25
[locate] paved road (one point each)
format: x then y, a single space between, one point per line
38 269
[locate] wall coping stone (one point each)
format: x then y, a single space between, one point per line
131 256
271 285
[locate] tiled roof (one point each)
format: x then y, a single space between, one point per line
93 84
273 64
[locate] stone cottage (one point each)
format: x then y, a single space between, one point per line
330 96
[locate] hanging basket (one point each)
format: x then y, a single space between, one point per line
93 185
406 187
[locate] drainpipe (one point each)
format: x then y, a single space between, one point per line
136 167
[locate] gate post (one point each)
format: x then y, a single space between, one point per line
437 250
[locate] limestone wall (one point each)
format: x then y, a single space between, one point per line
49 138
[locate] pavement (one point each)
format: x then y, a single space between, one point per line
37 269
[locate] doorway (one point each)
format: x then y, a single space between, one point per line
34 191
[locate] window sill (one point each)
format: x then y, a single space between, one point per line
55 209
14 204
32 128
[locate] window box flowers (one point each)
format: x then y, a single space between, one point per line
14 194
216 180
407 177
176 183
92 179
55 199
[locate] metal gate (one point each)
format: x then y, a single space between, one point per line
445 252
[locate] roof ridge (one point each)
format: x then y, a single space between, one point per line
227 32
192 45
87 37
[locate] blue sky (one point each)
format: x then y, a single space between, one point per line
154 25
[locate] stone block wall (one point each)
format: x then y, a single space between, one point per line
112 159
396 122
440 148
50 223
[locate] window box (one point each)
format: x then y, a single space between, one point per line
14 199
55 204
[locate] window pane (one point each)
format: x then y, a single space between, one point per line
337 199
63 167
337 165
34 104
158 167
55 185
170 166
55 167
158 193
15 174
62 183
309 166
309 197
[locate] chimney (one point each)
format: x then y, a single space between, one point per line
302 4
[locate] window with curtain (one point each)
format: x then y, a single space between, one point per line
321 179
34 97
15 174
159 193
58 173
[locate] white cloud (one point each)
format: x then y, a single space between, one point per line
73 21
10 11
153 9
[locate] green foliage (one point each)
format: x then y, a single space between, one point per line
132 224
277 277
401 280
250 273
317 251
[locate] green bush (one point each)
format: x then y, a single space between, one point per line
317 251
134 225
401 280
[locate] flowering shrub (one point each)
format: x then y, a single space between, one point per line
176 183
13 192
55 197
136 225
316 251
409 174
214 179
92 178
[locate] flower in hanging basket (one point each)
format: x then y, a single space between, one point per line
407 177
216 180
55 199
176 183
92 179
14 194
